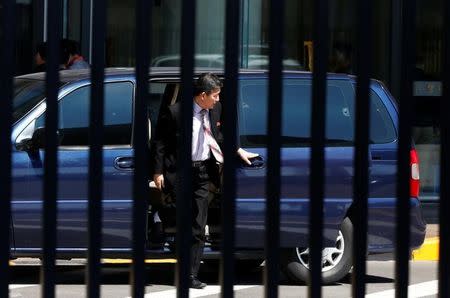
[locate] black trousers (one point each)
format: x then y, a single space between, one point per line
202 174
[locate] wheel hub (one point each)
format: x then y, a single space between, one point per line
331 256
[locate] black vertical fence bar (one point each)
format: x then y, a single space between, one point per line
272 240
140 141
317 163
38 21
51 160
361 163
444 219
229 180
406 104
6 94
95 184
396 25
184 191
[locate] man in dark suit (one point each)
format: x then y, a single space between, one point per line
206 157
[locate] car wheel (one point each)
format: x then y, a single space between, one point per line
336 261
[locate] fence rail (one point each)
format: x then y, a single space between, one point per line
48 274
6 93
361 178
444 220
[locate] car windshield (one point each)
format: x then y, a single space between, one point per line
27 93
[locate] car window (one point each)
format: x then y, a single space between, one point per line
296 123
73 115
382 128
158 91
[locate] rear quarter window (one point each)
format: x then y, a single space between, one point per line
296 122
382 129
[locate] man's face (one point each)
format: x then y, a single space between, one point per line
208 100
38 59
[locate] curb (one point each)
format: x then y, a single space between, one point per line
83 262
147 261
429 251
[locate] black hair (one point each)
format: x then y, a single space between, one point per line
207 82
71 47
68 47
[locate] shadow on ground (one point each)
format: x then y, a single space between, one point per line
158 274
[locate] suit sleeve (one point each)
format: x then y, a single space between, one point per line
222 121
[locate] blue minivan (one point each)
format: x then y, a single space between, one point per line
73 114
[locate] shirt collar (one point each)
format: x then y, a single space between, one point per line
197 108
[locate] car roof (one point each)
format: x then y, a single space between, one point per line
68 76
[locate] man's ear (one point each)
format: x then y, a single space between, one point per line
203 95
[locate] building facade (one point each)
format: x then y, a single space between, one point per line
254 36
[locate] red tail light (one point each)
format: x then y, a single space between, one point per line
414 181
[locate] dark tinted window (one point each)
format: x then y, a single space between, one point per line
73 112
297 110
158 91
382 128
161 94
296 122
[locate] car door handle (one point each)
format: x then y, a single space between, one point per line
126 163
258 162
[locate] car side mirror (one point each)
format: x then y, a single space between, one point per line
39 138
25 145
37 141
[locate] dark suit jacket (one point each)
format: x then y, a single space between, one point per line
166 146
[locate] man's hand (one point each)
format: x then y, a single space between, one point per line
246 156
159 181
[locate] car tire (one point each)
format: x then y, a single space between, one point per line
294 262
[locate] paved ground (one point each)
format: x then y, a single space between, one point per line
432 230
380 282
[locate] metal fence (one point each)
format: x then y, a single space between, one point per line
405 33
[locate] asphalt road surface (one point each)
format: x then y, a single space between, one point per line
160 282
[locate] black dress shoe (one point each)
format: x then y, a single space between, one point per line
196 284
